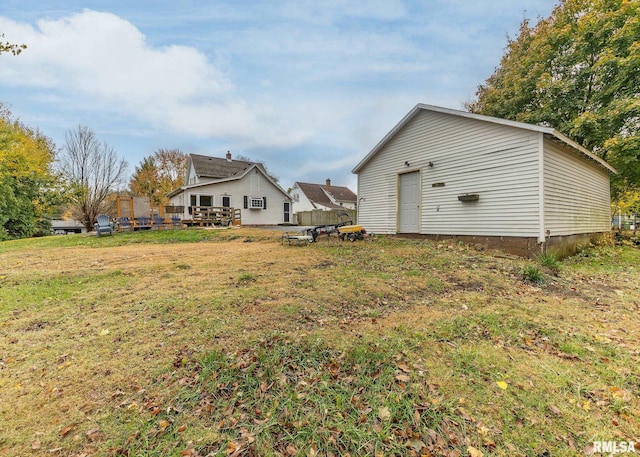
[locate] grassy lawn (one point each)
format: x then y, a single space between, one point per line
225 342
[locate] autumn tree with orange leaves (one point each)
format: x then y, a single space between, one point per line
158 174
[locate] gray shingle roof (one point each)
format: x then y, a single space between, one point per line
218 168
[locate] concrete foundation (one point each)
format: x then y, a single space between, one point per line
560 246
568 245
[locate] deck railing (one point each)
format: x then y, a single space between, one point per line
215 215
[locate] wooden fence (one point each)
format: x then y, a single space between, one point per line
320 217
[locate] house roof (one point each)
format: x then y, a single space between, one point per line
65 224
230 171
320 194
217 168
549 132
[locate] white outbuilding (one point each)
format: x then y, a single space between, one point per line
446 173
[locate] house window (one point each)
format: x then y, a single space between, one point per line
206 200
256 203
200 200
226 201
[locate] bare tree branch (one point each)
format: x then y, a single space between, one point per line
94 168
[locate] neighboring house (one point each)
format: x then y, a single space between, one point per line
448 173
307 197
65 227
224 182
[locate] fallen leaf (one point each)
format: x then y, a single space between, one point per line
35 445
466 416
416 444
403 378
503 385
473 452
65 431
104 332
384 413
93 434
555 410
291 450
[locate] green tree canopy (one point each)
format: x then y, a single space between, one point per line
578 71
28 187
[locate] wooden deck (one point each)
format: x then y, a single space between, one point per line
199 216
212 216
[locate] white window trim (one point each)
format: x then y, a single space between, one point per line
213 199
256 203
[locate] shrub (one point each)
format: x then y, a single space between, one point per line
532 274
550 261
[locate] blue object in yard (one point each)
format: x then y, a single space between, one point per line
124 224
143 222
158 222
103 225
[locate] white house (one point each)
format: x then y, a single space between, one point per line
228 183
446 173
307 197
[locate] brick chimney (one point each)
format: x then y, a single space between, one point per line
228 156
328 186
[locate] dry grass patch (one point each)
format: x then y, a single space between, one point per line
225 342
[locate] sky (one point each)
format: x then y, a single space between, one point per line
308 87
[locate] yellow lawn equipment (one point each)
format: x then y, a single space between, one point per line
351 232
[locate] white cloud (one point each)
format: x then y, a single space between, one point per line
306 86
104 58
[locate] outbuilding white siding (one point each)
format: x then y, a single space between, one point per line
468 156
524 187
576 193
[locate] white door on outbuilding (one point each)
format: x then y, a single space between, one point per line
408 202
